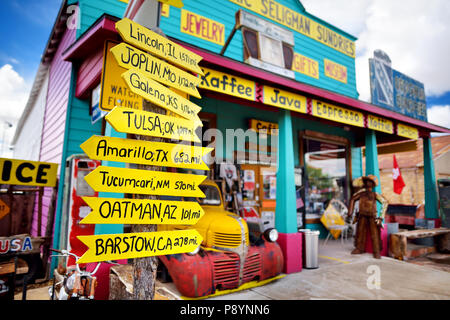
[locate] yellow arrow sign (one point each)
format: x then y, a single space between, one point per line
151 124
142 211
145 152
161 96
157 45
138 245
175 3
131 58
123 180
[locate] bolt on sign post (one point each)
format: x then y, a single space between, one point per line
149 78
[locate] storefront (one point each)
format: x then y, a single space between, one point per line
279 104
302 85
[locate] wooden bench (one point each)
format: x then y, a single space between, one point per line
398 242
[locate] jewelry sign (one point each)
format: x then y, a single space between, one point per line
156 81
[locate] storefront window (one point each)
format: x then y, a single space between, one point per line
326 174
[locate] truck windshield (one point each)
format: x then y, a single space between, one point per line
212 196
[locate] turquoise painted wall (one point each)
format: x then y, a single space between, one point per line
223 11
91 10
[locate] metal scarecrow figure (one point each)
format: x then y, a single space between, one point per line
366 217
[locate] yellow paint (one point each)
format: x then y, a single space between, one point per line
259 125
335 259
162 96
28 173
141 211
124 180
284 99
380 124
4 209
300 23
129 57
175 3
334 113
245 286
407 131
146 152
228 84
165 10
305 65
138 245
114 91
151 124
202 27
157 45
335 70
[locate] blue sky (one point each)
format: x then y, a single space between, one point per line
26 26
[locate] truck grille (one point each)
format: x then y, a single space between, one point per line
227 240
226 269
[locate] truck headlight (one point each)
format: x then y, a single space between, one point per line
271 235
193 253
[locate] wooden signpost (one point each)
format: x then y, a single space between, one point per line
145 152
142 211
145 39
151 124
147 77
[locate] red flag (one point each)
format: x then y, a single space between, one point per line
399 184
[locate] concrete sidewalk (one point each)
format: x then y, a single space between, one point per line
340 276
344 276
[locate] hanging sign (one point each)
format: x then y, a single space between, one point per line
142 211
228 84
4 209
149 41
124 180
334 113
146 152
28 173
160 95
113 89
267 127
151 124
380 124
129 57
284 99
138 245
407 131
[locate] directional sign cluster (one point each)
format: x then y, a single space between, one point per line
158 82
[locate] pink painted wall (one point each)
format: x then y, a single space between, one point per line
89 74
54 118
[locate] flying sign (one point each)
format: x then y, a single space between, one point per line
151 124
124 180
138 245
146 152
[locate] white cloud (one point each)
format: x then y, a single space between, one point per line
414 33
14 91
439 115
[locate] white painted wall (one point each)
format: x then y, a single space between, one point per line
28 142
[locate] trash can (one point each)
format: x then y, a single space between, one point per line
311 249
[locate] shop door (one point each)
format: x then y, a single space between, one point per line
326 176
